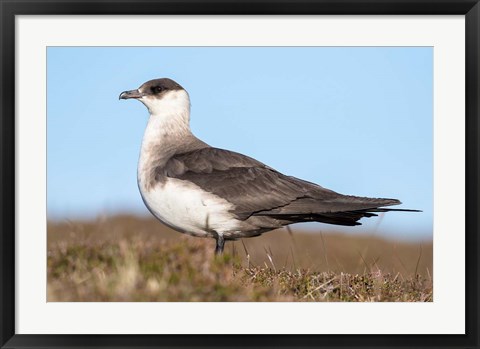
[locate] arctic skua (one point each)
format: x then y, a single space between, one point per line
204 191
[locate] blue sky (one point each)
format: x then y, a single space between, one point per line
357 120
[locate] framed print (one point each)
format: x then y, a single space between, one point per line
320 159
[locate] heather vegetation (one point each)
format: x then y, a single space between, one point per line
126 258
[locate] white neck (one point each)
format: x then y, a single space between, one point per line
169 117
168 129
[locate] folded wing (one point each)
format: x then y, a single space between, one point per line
258 190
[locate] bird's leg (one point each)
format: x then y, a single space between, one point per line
220 244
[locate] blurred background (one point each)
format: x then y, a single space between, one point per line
357 120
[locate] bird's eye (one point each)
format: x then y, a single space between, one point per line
158 89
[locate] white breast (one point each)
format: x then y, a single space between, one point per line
179 204
187 208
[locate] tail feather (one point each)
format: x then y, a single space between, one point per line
380 209
349 217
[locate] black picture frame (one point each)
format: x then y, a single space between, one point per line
10 8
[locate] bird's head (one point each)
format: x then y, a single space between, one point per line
160 96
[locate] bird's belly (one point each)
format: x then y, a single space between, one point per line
187 208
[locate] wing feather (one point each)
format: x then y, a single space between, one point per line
256 189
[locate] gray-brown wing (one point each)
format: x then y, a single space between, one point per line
256 189
245 182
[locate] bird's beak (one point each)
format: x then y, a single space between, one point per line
131 94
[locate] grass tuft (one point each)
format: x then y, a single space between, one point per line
128 259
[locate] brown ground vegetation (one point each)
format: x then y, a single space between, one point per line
126 258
